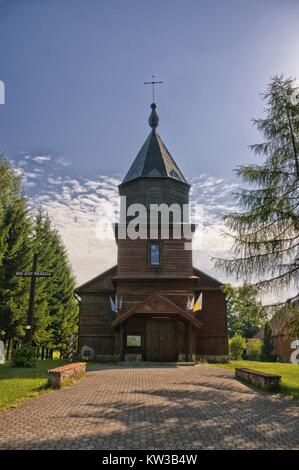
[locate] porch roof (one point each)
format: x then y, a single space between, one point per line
157 305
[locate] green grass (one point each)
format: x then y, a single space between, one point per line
17 383
289 373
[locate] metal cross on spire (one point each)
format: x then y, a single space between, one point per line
153 83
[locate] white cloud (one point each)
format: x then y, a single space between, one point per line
75 186
30 174
92 184
62 161
41 158
54 181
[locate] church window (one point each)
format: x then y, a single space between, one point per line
155 254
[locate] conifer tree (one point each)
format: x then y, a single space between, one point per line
3 228
9 185
55 306
15 254
63 307
267 346
266 228
56 310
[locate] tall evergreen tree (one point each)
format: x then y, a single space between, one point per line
42 246
63 307
55 307
56 310
9 185
15 254
267 346
266 229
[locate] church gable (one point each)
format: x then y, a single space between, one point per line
156 303
102 282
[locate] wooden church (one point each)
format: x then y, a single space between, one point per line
142 309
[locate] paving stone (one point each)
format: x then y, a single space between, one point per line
200 407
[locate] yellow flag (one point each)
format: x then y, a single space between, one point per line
198 304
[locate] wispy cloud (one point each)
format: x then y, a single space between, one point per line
41 158
62 161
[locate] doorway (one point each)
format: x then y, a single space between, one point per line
160 340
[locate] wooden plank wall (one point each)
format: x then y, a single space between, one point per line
133 258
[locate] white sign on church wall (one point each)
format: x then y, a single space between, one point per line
2 353
87 353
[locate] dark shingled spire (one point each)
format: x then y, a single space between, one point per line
154 160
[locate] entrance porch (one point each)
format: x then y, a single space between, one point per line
156 330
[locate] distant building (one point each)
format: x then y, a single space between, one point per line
153 280
281 345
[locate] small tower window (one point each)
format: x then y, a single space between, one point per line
155 254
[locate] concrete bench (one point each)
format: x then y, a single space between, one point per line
259 379
62 375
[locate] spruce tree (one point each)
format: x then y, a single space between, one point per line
63 307
55 307
42 245
15 254
9 186
266 227
56 310
267 346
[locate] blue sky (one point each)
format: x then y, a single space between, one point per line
74 73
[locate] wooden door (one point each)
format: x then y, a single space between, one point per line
160 340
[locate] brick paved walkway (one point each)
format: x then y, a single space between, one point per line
200 407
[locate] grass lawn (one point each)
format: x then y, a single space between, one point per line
17 383
289 373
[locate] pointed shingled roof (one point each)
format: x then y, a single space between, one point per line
154 160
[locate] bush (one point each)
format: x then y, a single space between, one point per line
24 357
253 349
237 345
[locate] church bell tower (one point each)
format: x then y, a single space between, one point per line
154 271
155 182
